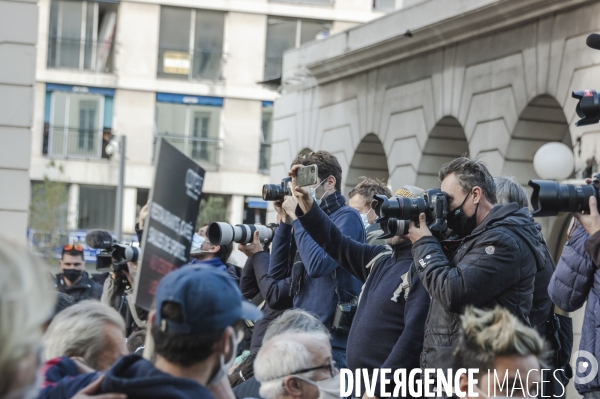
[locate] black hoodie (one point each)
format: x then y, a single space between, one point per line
135 377
494 265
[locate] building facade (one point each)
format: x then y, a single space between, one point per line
202 74
398 97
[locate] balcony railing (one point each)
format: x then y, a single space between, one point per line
316 2
205 151
384 5
90 55
65 142
190 65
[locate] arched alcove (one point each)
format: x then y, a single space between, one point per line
369 160
446 142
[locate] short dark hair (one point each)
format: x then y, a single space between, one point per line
72 252
369 187
471 173
184 349
327 164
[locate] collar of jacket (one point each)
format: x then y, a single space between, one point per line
402 251
83 283
333 202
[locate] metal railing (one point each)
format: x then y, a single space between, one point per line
192 65
273 67
205 151
81 54
65 142
384 5
317 2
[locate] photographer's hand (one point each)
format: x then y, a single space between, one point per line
253 248
416 233
289 206
302 194
278 205
591 221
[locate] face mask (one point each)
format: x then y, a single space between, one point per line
328 389
224 367
313 193
461 224
365 219
72 274
197 241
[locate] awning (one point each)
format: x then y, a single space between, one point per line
256 203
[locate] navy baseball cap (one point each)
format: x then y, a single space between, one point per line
209 299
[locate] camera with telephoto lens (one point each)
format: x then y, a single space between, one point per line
277 192
395 213
588 107
549 198
113 256
220 233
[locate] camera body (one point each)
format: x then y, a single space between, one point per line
343 316
549 198
395 213
113 256
277 192
220 233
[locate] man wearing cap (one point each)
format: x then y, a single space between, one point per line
196 328
73 279
393 305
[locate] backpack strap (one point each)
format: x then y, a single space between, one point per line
379 258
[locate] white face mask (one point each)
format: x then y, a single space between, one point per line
328 389
197 241
365 218
224 367
313 193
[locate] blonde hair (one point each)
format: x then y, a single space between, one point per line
488 334
26 303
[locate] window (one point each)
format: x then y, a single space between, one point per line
384 5
78 121
190 123
255 210
190 43
97 206
283 34
266 137
81 35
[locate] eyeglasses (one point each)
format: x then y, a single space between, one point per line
330 366
70 247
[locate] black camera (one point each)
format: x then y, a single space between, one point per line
395 213
588 107
224 233
113 256
277 192
343 316
549 198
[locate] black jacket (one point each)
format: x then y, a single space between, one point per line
86 288
493 266
276 293
388 329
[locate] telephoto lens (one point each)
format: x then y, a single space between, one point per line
220 233
549 198
277 192
394 227
398 207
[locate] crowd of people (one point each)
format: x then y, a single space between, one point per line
326 293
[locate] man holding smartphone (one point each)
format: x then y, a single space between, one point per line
318 284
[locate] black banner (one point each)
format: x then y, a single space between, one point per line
171 221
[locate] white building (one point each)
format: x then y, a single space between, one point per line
202 73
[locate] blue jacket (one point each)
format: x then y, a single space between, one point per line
135 377
575 280
396 321
318 291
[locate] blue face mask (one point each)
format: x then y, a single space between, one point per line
197 241
313 193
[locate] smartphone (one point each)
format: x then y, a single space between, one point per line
307 176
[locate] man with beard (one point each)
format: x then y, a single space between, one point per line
388 327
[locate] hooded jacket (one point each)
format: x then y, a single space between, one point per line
135 377
495 265
86 288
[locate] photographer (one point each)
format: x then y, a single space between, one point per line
360 199
74 280
493 265
393 304
577 280
202 251
318 284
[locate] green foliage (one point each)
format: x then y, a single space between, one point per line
212 209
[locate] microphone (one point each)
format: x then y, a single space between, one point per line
593 41
99 239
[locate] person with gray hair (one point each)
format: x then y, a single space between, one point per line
297 365
89 330
509 190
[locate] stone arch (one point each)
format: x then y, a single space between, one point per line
369 160
446 142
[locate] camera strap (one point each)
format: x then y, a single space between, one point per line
337 291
